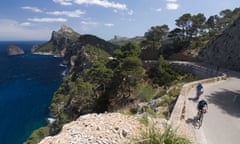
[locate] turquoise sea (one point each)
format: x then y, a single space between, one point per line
27 84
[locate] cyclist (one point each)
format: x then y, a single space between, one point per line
199 90
202 107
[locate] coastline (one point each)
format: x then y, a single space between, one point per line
26 86
47 53
43 53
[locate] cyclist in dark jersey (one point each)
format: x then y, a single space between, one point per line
202 108
202 105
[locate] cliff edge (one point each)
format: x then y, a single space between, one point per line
111 128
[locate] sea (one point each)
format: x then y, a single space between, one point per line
27 85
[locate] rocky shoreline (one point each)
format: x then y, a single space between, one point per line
47 53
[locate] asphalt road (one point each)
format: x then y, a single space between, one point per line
221 124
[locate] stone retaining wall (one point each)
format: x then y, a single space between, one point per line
196 69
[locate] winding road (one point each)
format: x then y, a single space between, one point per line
221 125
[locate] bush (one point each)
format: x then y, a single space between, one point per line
154 136
37 135
161 93
145 93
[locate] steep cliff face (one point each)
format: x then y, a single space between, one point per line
14 50
59 42
224 50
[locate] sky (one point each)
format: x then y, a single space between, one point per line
36 19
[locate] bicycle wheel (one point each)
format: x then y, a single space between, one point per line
198 121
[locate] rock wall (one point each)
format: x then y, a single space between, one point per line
197 69
224 50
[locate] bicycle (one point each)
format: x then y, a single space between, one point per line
199 119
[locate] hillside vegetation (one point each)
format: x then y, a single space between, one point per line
103 76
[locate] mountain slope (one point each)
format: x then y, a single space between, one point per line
224 50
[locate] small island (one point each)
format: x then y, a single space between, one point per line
14 50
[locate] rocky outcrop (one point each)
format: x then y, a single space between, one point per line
224 50
59 42
14 50
34 48
108 128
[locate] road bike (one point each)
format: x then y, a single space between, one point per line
199 118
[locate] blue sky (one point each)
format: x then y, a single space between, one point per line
36 19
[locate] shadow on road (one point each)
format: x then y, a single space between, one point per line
193 122
195 99
227 101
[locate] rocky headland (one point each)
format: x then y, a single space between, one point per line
14 50
59 42
36 47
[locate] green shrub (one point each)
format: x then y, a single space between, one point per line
154 136
144 120
37 135
161 93
145 93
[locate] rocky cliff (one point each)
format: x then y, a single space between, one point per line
59 42
14 50
224 50
77 96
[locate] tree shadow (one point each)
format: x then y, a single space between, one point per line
227 101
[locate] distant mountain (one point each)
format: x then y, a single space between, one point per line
59 42
119 40
224 50
14 50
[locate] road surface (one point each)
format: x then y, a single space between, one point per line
221 125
